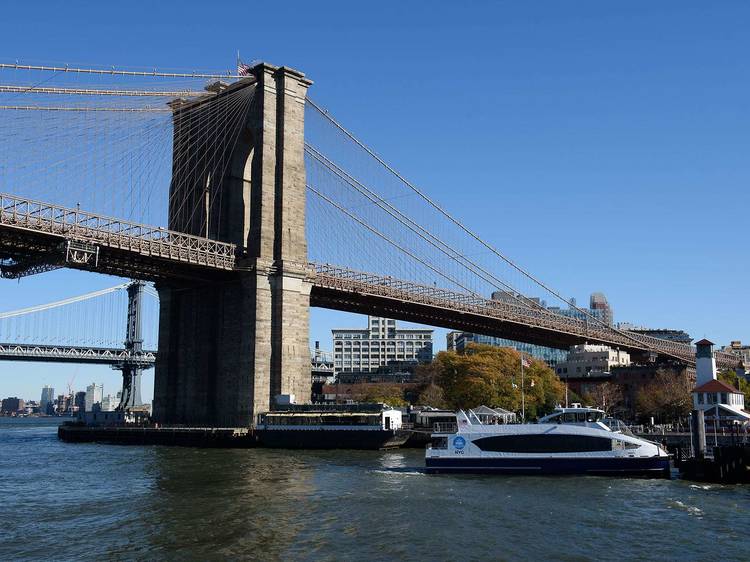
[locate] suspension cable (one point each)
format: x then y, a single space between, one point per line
115 72
459 224
9 89
71 300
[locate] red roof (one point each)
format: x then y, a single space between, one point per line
704 341
716 386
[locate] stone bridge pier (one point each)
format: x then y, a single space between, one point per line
228 347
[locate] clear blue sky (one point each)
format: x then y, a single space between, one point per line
604 145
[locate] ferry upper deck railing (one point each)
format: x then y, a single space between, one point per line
444 427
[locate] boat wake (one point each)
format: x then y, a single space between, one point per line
689 509
406 471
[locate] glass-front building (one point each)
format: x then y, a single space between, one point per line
457 341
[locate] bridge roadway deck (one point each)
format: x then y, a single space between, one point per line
36 235
353 291
75 354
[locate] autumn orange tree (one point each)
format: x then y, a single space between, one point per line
391 394
491 375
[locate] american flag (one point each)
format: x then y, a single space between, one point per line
243 69
525 362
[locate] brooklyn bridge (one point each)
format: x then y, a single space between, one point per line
236 203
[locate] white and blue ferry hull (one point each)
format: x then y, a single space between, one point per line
657 466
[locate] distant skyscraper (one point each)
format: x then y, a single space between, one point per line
599 302
94 395
48 396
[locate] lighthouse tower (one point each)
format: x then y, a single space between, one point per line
705 364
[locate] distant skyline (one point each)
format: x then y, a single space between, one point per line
601 145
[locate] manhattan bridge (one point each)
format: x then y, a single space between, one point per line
235 203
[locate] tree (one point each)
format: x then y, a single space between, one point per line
667 398
730 377
432 395
490 375
607 396
391 394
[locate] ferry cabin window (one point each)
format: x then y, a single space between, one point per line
544 443
324 419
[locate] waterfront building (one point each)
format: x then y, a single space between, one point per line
12 405
549 355
64 404
741 351
31 407
94 395
109 403
585 359
48 397
721 402
380 344
79 402
396 372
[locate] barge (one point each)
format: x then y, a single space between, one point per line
357 426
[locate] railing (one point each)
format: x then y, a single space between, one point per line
16 351
444 427
352 281
74 224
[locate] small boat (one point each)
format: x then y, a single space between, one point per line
568 441
356 426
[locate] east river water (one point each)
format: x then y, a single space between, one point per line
98 502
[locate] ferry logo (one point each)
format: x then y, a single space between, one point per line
459 442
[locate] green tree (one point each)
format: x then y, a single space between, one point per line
730 377
492 375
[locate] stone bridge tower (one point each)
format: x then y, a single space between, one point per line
228 347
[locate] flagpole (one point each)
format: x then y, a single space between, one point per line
523 396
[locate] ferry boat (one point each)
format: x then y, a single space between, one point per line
357 426
568 441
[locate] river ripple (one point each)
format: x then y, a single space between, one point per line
93 502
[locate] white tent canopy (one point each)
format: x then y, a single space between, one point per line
487 415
